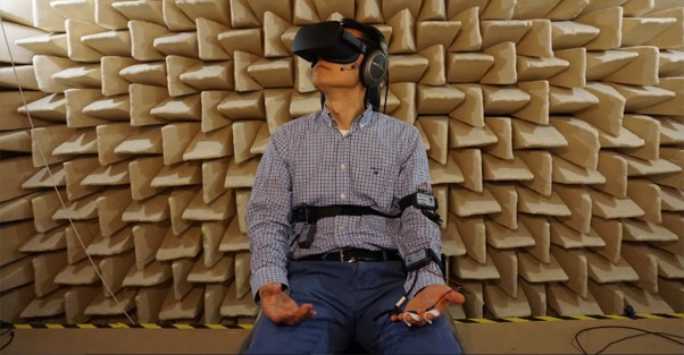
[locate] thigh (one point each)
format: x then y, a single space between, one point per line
308 337
327 332
378 333
435 338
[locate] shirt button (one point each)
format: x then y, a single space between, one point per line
343 166
343 196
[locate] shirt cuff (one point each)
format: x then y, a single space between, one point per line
429 275
265 275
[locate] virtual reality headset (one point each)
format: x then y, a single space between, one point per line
328 41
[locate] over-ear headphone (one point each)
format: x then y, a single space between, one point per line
374 67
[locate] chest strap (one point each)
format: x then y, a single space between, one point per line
312 214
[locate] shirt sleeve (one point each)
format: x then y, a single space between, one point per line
267 219
417 232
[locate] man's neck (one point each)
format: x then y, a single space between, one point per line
345 105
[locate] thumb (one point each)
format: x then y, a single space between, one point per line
309 309
455 298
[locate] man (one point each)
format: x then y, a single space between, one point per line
337 278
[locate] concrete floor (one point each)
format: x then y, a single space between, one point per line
500 338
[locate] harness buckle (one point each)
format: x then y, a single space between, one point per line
307 214
350 260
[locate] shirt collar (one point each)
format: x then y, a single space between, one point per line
362 120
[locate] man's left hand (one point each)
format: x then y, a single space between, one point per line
416 313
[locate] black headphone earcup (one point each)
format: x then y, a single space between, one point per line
374 69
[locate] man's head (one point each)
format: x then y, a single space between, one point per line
346 54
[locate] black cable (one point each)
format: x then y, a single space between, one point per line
413 285
8 342
636 336
6 326
384 109
643 332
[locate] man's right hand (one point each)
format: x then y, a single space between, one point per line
279 307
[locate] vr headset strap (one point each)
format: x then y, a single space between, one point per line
355 42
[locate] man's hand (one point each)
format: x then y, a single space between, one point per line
279 307
416 312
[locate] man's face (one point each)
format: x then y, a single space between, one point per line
327 74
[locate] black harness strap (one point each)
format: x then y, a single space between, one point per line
311 214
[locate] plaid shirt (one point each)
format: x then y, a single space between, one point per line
308 161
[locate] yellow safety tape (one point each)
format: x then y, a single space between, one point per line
516 320
548 319
86 326
150 325
482 320
648 316
616 316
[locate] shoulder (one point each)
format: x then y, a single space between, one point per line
396 128
399 136
291 132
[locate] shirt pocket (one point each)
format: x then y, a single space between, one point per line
373 181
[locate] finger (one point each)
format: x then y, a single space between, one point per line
293 316
400 317
284 316
302 312
406 321
431 315
415 319
311 311
426 318
455 297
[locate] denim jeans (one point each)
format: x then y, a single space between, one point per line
350 299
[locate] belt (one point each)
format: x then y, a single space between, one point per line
352 255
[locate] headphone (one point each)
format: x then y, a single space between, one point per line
374 67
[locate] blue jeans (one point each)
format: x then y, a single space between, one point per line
348 297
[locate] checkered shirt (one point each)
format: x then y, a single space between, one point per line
308 161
